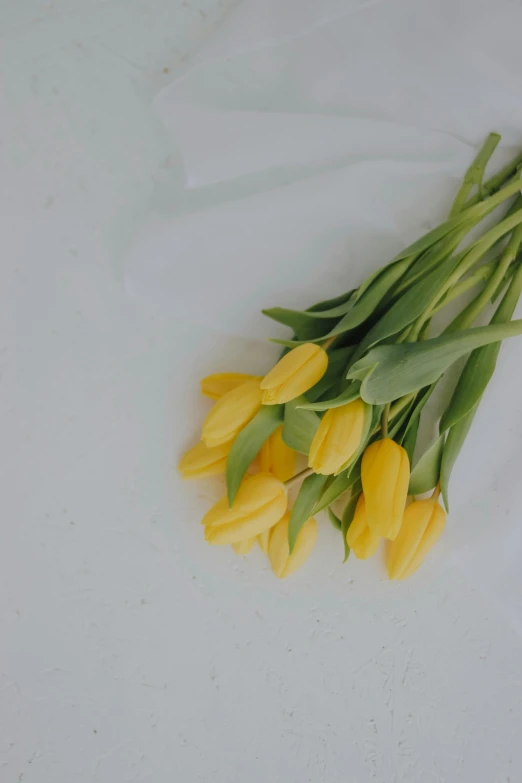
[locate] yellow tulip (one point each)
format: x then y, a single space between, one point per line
216 385
359 537
294 374
231 413
260 502
422 526
385 475
244 547
283 564
337 438
276 457
201 461
263 540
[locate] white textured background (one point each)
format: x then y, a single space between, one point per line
131 651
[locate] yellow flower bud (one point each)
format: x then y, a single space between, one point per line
201 461
283 564
263 540
231 413
359 537
422 526
385 475
260 502
216 385
294 374
276 457
244 547
337 438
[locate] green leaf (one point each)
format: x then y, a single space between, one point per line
348 395
247 444
304 324
305 501
392 371
299 426
426 472
409 439
481 364
329 304
347 519
410 305
431 257
334 519
338 487
337 364
454 442
370 299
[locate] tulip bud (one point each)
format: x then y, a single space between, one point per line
337 438
294 374
244 547
260 502
231 413
385 475
276 457
216 385
283 563
421 528
201 461
359 537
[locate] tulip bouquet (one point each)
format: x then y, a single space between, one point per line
348 392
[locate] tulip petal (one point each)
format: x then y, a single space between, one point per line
431 536
263 540
359 537
276 457
231 413
239 528
385 474
201 461
338 437
283 564
422 526
294 374
244 547
216 385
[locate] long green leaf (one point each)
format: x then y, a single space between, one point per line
334 519
347 519
481 363
367 303
338 487
454 442
331 304
426 472
247 445
305 501
388 372
337 364
410 305
409 438
304 324
299 426
348 395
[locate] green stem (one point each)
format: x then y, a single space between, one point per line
497 181
478 276
475 174
465 319
468 259
384 420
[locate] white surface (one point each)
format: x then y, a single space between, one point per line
132 651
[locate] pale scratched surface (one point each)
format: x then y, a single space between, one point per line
131 651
